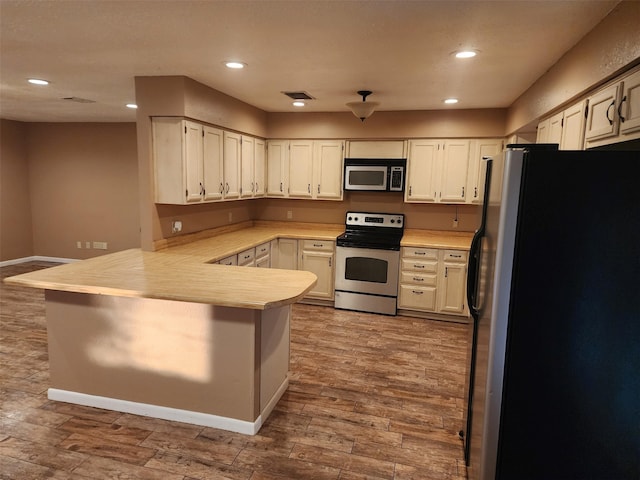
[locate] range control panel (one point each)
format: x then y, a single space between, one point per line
386 220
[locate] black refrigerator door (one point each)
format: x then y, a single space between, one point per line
571 388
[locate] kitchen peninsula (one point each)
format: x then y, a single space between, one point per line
169 336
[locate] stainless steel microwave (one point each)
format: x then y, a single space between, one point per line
374 174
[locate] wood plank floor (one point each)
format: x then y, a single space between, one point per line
370 397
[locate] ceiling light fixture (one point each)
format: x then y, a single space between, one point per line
38 81
451 101
132 105
465 53
235 65
299 103
363 109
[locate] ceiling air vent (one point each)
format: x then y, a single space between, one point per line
299 95
79 100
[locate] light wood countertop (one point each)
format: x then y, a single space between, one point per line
437 239
134 273
183 270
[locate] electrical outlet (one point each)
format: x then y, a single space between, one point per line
230 217
79 244
87 244
289 214
455 223
176 226
100 245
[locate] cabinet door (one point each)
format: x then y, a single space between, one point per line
478 167
212 146
414 297
328 168
542 132
193 161
630 105
320 263
555 129
452 288
300 168
248 157
168 160
277 168
455 166
287 254
259 169
232 154
422 165
573 127
602 120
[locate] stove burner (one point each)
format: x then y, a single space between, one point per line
372 230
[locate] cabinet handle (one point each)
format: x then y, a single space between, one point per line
409 190
624 99
417 292
227 189
280 186
308 188
252 186
613 103
418 279
446 272
462 192
318 189
257 187
319 245
221 188
418 266
202 190
475 192
453 255
419 253
329 261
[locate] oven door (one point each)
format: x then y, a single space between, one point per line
367 270
365 177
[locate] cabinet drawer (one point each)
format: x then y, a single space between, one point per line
415 278
455 256
231 260
263 249
318 245
415 265
417 298
247 257
417 252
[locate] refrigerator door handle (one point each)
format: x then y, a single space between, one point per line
472 271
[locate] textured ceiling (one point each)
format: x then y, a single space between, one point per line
401 50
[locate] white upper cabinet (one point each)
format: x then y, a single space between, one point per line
422 164
573 127
247 168
232 158
550 130
455 167
277 168
480 149
630 107
187 161
602 121
259 173
310 169
328 161
300 168
213 145
437 171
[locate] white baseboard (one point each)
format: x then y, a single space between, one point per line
37 258
155 411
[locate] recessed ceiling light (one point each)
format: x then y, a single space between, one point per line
466 53
235 65
38 81
132 105
298 103
451 100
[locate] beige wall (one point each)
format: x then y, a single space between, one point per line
84 184
16 240
612 46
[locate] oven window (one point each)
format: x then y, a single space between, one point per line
366 269
367 177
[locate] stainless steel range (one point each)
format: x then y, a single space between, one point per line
367 261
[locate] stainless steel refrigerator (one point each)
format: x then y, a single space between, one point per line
554 291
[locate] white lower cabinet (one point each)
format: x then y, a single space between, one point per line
318 256
433 280
231 260
287 254
263 255
247 258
